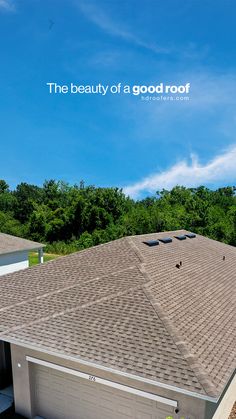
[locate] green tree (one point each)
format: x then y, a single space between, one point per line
4 187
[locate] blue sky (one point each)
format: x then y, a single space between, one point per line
118 140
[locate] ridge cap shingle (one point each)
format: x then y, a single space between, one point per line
191 359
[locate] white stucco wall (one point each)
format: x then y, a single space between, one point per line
12 262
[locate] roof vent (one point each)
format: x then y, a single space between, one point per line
178 265
151 242
181 237
190 235
166 240
223 257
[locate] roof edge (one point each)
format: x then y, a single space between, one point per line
159 232
112 370
30 249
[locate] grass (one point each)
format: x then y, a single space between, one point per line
33 258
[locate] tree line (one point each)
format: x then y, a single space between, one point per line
73 217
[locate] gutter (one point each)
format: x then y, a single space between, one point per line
31 249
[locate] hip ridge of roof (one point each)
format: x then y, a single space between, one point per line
200 374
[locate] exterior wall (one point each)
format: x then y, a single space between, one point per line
12 262
189 407
227 401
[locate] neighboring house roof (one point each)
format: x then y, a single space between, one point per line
9 244
126 306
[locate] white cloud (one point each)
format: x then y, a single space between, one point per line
111 27
222 169
7 5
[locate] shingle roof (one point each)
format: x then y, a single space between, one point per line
125 305
9 244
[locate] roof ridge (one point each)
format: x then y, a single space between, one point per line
135 249
191 359
157 232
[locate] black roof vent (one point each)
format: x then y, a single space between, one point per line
166 240
181 237
178 265
190 235
151 242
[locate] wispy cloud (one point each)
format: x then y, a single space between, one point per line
101 19
7 5
221 169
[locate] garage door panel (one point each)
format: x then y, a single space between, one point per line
144 415
108 405
125 408
144 410
125 411
83 412
144 402
162 408
59 395
88 399
106 415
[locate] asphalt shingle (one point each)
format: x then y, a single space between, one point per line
9 244
127 306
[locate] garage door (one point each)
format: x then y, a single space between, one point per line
58 395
